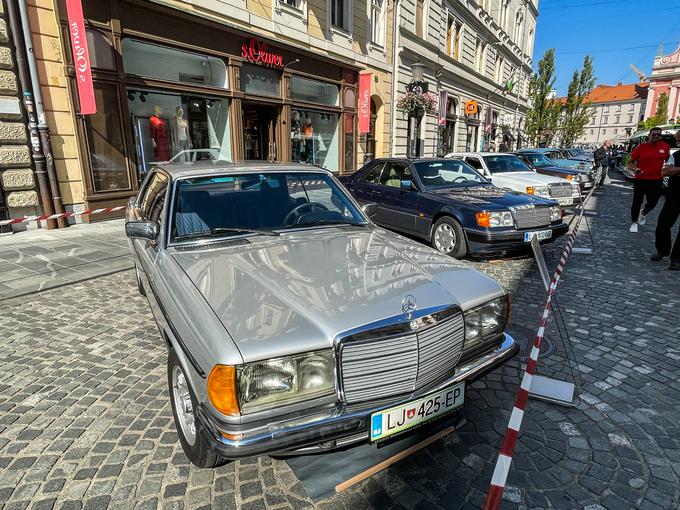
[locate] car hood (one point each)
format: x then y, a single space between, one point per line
485 196
561 169
298 292
526 178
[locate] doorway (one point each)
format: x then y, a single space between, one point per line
259 131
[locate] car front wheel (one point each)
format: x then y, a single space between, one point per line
189 428
448 237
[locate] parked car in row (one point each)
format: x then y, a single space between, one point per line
564 158
508 171
294 323
540 163
451 206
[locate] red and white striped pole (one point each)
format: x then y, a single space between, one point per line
500 473
26 219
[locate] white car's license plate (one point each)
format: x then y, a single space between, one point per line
395 420
588 184
565 201
541 234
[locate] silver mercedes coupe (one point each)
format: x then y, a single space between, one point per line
295 324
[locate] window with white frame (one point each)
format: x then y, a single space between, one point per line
291 3
630 118
454 41
618 107
519 19
504 14
480 56
341 14
485 4
605 119
421 18
377 17
617 119
498 69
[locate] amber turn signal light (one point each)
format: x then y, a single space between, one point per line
483 219
222 389
530 190
570 177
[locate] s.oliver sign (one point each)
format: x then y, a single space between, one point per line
81 57
364 102
257 51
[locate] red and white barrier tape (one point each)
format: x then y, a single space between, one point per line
500 474
26 219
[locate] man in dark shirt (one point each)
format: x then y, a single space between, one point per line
669 214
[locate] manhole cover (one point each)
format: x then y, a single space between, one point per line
525 338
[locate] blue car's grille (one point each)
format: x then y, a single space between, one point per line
529 216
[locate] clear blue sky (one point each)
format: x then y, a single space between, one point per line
614 32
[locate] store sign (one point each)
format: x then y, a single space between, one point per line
443 101
471 107
364 102
81 57
257 52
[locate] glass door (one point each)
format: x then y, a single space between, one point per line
259 131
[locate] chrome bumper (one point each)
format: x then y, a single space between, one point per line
339 425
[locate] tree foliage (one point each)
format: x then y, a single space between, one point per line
661 115
576 109
541 119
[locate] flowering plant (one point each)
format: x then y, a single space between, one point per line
413 101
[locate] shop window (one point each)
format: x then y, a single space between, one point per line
105 140
260 80
349 143
179 128
315 139
163 63
100 50
315 91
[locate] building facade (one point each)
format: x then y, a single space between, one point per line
665 79
472 52
616 111
274 80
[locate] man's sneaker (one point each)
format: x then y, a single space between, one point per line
642 219
634 228
674 266
656 257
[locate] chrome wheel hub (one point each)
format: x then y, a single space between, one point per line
444 238
183 405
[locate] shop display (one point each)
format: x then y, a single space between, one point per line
158 131
181 141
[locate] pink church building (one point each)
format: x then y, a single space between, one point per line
665 78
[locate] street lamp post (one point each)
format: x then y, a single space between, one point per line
417 85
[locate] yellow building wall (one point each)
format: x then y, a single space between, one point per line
262 8
56 99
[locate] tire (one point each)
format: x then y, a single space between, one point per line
195 445
140 286
448 237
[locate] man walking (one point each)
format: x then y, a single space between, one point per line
601 157
669 214
647 160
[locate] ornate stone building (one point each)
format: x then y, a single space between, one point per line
665 79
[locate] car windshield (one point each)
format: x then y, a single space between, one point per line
447 173
258 203
539 160
505 163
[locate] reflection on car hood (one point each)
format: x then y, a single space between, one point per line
526 178
487 196
297 292
561 169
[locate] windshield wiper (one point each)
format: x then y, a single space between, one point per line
329 222
226 230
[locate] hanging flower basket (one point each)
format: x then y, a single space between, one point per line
413 102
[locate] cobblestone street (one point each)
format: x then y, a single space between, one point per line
85 419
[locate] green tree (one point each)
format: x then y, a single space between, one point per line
661 115
576 109
540 124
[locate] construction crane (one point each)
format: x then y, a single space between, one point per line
640 74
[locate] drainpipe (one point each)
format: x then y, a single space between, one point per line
43 129
27 95
395 74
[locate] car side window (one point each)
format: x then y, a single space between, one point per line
474 163
154 197
394 173
373 175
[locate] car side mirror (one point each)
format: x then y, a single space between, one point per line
406 185
142 230
369 209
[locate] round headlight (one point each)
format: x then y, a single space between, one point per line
314 372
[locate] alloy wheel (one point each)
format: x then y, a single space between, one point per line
183 405
445 238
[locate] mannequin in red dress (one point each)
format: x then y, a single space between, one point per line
158 130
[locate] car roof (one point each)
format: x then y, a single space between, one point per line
482 153
222 167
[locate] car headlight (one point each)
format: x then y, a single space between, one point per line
555 213
486 321
538 190
280 381
489 219
578 178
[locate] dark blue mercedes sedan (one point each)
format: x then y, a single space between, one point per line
448 204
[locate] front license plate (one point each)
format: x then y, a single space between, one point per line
395 420
541 234
565 201
588 184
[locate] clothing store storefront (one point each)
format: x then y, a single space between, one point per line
189 89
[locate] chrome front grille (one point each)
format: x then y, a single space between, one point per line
560 190
530 216
375 368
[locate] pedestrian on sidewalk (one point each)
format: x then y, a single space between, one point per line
601 156
669 214
647 160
